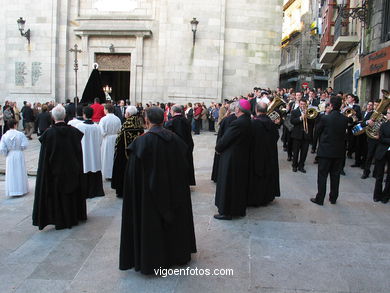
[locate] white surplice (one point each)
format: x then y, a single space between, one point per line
90 144
74 122
109 126
12 145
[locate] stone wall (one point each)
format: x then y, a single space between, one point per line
236 47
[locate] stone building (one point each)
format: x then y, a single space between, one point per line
144 48
299 66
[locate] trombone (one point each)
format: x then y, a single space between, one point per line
305 125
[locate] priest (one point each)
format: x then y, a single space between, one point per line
130 130
232 182
92 182
224 125
180 125
264 167
157 223
109 127
58 199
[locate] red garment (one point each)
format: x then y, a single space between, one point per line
98 112
198 111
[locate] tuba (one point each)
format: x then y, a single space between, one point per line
378 117
277 103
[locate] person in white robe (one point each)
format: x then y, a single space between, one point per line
79 116
12 144
109 126
92 166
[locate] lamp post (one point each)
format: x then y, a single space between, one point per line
21 22
194 27
75 50
360 13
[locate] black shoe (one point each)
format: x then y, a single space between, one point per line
332 201
377 199
289 159
342 173
302 170
365 176
313 200
295 169
385 200
222 217
355 165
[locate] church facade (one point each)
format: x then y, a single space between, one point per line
145 49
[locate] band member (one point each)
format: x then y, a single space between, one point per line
328 109
382 156
352 140
368 142
331 152
300 135
288 141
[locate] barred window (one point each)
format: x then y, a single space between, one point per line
386 21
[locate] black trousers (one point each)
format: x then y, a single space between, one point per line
198 125
332 167
379 192
371 148
300 148
360 149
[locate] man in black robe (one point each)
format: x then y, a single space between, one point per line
264 178
58 199
233 169
157 222
180 125
224 125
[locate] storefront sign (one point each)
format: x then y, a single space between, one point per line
375 62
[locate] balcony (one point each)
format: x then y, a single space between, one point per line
291 66
345 34
328 55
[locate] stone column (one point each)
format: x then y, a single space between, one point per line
139 69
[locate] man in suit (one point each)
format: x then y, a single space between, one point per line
366 142
120 110
331 151
382 156
300 137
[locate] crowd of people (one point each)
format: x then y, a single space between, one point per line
146 153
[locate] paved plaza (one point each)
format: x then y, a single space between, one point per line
290 246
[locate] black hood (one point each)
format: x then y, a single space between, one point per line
93 89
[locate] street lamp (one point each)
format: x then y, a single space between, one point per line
194 27
360 13
21 22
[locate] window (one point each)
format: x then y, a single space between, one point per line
386 21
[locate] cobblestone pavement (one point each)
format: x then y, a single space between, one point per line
290 246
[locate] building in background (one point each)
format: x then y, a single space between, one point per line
299 66
375 61
145 49
355 46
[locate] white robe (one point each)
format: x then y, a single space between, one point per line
90 144
109 126
74 122
12 145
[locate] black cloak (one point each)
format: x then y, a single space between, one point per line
180 125
264 169
58 198
129 131
225 123
157 222
93 89
233 169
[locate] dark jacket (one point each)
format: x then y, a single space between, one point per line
28 115
298 131
384 141
43 121
332 130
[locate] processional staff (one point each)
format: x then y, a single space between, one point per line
76 68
